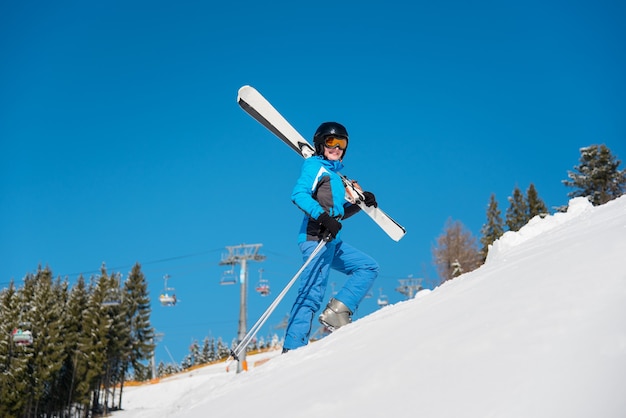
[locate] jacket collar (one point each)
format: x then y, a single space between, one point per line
331 165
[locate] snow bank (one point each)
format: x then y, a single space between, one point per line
537 225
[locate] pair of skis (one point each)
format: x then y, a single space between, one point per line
253 103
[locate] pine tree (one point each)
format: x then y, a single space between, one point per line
77 304
165 370
161 369
92 345
63 384
597 176
223 351
137 307
261 343
517 213
456 251
208 350
48 305
493 229
14 360
118 336
187 362
195 354
536 206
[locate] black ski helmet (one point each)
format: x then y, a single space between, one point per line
325 130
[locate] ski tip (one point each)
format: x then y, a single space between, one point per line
398 237
244 91
398 233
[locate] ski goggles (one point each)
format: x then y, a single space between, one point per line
335 142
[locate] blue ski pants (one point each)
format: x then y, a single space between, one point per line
360 268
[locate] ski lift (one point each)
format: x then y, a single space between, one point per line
229 277
167 297
263 288
22 336
383 300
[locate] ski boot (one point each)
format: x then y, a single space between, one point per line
336 315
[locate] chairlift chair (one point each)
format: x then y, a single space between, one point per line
167 298
229 277
263 288
22 337
23 334
383 300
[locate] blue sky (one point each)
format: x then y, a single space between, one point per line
122 141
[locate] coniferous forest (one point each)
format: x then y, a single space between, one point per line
67 350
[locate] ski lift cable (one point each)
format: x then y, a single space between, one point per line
150 262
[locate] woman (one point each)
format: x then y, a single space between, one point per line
320 194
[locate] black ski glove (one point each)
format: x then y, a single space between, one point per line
331 226
370 199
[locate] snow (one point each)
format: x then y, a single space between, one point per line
538 331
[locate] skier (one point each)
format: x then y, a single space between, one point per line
319 192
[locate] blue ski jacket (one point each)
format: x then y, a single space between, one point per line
320 189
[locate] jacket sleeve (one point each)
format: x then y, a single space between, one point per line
304 190
350 209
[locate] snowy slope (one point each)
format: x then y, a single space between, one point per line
538 331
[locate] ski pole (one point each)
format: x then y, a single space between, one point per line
255 328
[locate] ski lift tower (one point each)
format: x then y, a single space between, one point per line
409 287
241 254
157 337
